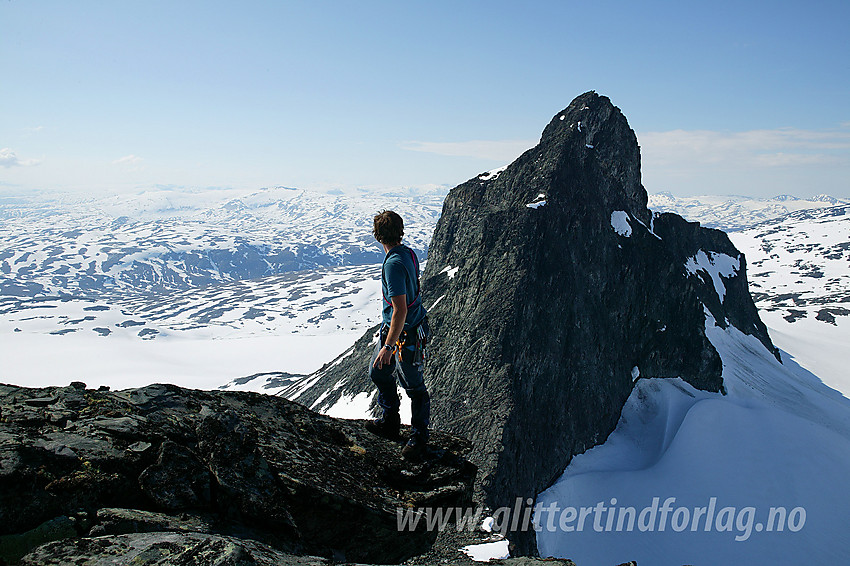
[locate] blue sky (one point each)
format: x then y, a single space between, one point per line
726 97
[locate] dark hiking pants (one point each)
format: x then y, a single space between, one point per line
411 379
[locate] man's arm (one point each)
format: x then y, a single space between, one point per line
396 326
399 316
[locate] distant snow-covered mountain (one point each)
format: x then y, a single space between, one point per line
62 244
189 287
730 213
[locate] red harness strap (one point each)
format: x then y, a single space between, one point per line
416 266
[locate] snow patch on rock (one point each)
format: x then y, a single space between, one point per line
620 223
450 271
716 265
493 174
487 551
539 200
356 407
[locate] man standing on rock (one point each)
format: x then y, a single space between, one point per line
404 334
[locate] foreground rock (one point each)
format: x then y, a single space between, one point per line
195 549
164 549
222 471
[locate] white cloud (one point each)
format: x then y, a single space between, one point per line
753 149
499 150
127 159
9 158
755 162
782 159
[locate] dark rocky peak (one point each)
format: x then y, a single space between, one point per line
588 157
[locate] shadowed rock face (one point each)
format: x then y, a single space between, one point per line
553 306
244 465
537 334
550 286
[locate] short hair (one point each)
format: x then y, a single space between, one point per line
388 227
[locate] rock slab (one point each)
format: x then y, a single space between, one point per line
222 464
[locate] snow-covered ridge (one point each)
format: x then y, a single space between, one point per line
798 269
492 174
750 450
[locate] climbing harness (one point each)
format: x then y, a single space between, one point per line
413 340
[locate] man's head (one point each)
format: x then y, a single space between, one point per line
388 227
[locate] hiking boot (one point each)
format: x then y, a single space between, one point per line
385 427
415 449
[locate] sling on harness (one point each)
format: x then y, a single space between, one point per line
413 339
421 341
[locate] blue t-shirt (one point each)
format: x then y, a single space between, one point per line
400 276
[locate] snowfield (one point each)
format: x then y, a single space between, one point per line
799 274
163 240
200 338
779 438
